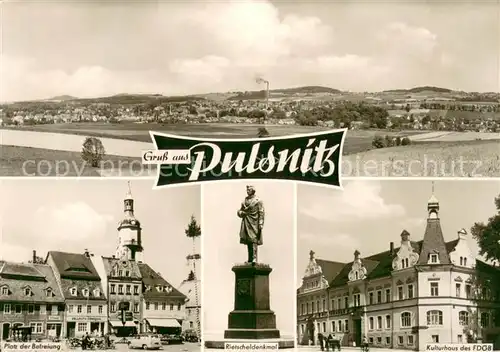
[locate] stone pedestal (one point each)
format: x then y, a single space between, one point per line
252 318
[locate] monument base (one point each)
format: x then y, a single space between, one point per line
252 318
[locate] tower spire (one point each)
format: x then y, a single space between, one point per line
433 205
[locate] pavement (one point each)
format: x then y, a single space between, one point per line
186 347
358 349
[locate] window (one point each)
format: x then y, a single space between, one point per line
346 325
147 305
387 321
339 303
5 291
128 291
400 340
357 300
97 292
172 306
485 320
312 305
406 319
127 273
72 291
400 293
346 302
112 307
410 291
113 289
340 325
370 340
465 261
379 340
435 338
136 289
85 292
120 273
179 306
370 298
387 340
156 305
468 291
48 309
89 309
371 325
433 259
457 289
410 340
81 327
27 291
163 306
461 260
70 308
120 289
459 339
434 289
388 295
379 323
404 263
434 317
79 309
333 326
379 296
99 309
6 308
36 328
324 326
324 306
136 307
463 317
18 309
48 292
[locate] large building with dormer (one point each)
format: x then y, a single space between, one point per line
85 301
29 298
423 291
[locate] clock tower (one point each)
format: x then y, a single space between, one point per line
129 232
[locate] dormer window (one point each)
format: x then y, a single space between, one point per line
5 291
159 288
463 261
120 273
85 292
97 293
434 258
27 291
72 291
48 292
168 289
147 288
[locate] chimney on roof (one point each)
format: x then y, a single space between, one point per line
391 247
86 253
34 256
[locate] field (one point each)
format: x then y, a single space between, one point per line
463 154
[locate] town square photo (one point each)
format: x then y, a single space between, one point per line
398 264
417 89
100 264
248 261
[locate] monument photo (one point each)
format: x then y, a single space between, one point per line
251 296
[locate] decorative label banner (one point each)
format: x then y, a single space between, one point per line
312 158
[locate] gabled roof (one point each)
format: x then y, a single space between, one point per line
132 266
44 279
153 279
74 266
80 285
330 268
433 242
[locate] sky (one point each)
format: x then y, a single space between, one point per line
98 48
73 215
222 250
368 215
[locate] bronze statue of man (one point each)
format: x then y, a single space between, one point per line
252 223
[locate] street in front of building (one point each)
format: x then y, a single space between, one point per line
317 349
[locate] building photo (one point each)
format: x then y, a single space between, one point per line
397 264
98 257
248 259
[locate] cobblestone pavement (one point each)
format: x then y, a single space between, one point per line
348 349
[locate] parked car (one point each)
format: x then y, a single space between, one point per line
171 339
146 342
190 336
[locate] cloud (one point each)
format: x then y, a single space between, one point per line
360 200
70 222
342 240
15 253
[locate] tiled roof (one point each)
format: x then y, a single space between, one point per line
152 279
42 283
80 285
132 266
433 242
74 266
329 268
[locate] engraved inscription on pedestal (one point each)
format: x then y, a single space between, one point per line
243 287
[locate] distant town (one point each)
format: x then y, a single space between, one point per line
422 108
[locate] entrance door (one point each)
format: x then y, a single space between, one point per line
94 327
70 329
5 331
357 331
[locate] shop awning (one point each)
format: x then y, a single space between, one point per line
118 324
164 323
